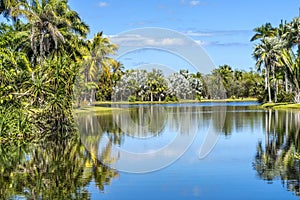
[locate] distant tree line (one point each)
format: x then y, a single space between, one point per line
142 85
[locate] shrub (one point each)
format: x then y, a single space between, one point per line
131 98
285 97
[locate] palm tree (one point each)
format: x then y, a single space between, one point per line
156 84
8 6
267 52
225 73
292 63
264 31
52 23
292 34
98 62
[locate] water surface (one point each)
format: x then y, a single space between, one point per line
254 157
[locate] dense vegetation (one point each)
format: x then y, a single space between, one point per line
43 48
277 55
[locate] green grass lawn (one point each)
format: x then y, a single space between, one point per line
281 105
95 109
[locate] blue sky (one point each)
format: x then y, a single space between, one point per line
222 27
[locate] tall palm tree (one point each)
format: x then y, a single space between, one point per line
52 23
263 31
226 73
156 83
266 53
98 62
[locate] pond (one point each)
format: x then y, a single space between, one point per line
166 151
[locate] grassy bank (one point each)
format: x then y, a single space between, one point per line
100 103
98 107
95 109
281 105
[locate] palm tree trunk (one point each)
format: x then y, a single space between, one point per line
266 80
85 90
297 96
274 84
268 84
286 81
92 97
78 102
276 90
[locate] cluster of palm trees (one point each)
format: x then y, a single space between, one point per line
278 55
99 72
43 48
225 82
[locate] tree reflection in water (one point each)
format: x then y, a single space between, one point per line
60 169
100 132
278 157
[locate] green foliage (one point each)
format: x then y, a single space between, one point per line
15 124
262 97
285 97
171 98
131 98
277 59
39 58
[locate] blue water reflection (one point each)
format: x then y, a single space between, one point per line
230 171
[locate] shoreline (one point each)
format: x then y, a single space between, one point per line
281 106
99 106
174 102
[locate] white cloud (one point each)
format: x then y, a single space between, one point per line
198 34
216 33
103 4
139 40
194 3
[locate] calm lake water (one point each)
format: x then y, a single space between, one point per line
168 151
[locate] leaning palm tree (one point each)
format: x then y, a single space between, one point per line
292 63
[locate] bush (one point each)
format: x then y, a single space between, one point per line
198 97
170 98
285 97
262 97
131 98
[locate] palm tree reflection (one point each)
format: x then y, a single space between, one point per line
60 169
278 157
